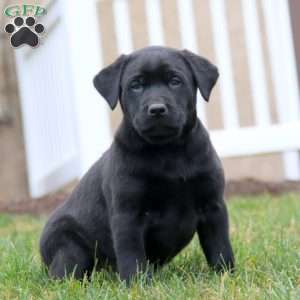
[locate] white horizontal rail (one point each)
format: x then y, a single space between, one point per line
252 141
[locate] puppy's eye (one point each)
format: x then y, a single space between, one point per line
137 85
175 81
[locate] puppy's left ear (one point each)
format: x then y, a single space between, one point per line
204 72
107 81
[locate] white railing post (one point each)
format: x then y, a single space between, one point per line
256 63
224 62
187 27
154 22
122 26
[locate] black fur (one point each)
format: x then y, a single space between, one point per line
159 182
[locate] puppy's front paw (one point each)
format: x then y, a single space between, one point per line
224 265
144 277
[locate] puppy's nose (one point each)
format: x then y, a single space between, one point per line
157 109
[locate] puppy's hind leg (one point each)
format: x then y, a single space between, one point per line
71 259
66 249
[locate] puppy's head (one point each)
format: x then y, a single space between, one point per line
157 87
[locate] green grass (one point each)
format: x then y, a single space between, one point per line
265 232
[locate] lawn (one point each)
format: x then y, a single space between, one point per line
265 233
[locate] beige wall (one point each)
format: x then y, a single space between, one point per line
267 167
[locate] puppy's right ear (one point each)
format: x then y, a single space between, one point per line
107 81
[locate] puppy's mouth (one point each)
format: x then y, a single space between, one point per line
160 134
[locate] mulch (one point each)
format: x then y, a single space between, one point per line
48 203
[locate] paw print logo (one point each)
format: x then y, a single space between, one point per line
24 31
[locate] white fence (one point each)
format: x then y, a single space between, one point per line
234 140
67 126
65 123
264 137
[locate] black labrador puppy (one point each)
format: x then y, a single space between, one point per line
160 181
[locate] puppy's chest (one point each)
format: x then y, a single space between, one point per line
169 226
168 205
178 169
171 218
